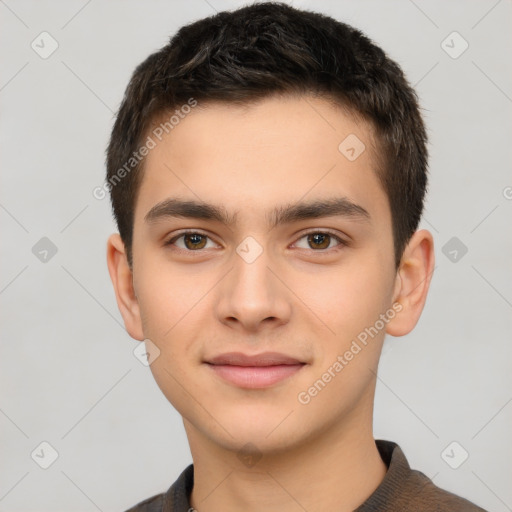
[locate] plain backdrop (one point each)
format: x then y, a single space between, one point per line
68 374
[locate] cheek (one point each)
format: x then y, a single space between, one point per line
167 299
348 299
174 307
170 306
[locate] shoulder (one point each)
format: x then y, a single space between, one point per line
404 489
153 504
175 498
421 492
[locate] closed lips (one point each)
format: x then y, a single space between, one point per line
257 371
264 359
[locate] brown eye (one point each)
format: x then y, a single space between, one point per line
319 240
191 241
194 241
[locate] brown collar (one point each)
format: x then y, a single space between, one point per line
177 498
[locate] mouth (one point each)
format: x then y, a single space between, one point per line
254 371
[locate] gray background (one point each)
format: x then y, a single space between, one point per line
68 374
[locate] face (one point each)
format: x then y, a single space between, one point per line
264 270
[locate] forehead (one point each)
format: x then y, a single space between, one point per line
275 151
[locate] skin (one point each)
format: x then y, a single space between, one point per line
295 298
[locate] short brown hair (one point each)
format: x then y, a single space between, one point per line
272 48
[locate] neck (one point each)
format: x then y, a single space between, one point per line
337 470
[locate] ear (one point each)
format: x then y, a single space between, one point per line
122 279
412 282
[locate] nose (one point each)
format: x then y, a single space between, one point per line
252 296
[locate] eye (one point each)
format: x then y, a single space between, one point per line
321 240
192 241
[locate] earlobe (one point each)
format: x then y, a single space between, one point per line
122 280
412 282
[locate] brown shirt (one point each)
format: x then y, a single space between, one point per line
402 490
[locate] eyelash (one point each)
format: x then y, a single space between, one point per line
341 243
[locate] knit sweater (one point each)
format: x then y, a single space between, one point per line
402 490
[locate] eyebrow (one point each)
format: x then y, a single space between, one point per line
285 214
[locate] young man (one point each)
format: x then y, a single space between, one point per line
267 171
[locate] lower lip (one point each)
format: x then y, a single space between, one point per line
255 377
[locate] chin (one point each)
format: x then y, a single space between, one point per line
249 440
